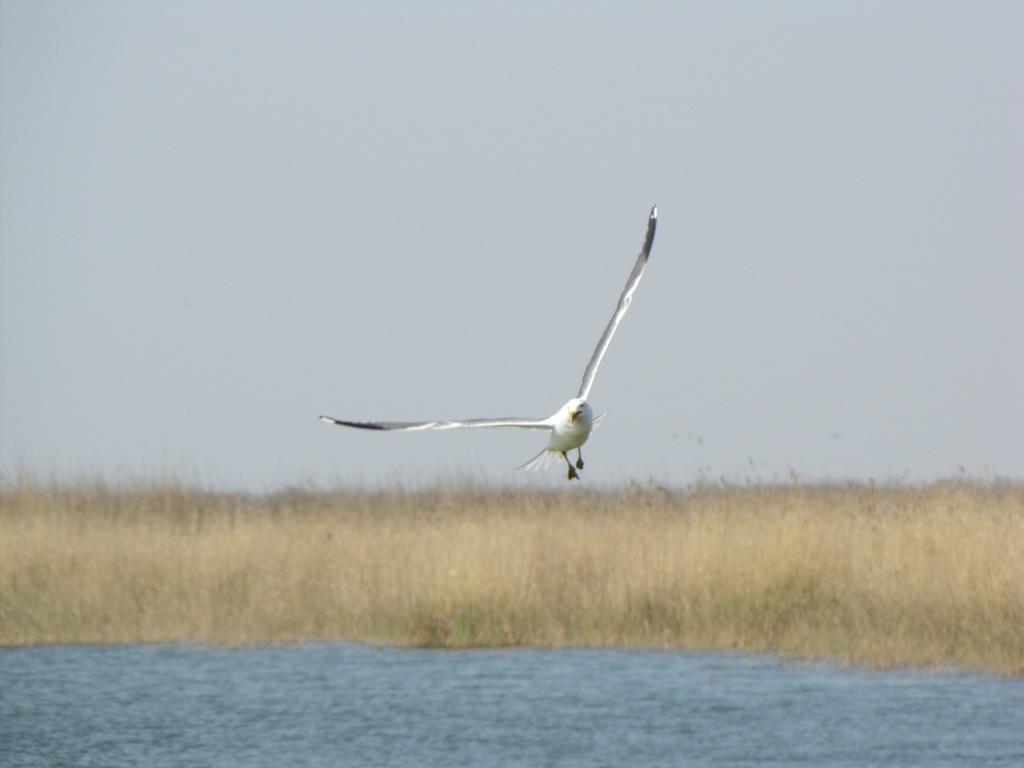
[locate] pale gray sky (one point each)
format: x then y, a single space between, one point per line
219 220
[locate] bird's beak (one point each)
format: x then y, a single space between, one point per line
573 415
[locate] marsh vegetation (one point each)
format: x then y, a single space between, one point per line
927 576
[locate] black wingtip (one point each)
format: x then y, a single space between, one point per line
652 223
354 424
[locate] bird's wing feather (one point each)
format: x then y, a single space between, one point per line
624 301
512 421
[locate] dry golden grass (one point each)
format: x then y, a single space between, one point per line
922 576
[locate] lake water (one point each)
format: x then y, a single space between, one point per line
345 705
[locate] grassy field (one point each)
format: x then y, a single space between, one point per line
929 576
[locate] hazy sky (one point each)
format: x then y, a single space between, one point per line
219 220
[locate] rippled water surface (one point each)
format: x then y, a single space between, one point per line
352 705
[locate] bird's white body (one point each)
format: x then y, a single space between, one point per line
570 427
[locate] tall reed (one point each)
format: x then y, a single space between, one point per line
929 576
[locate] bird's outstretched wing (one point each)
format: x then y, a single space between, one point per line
512 421
624 301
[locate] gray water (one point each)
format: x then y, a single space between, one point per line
341 705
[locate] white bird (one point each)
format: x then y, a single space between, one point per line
571 425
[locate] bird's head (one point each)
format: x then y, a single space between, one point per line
577 408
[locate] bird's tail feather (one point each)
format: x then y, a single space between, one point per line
541 460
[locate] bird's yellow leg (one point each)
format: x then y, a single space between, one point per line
579 459
572 469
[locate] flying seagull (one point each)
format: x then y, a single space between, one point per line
570 427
